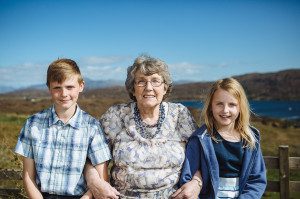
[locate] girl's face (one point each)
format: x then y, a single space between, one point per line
225 109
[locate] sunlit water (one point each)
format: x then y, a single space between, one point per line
287 110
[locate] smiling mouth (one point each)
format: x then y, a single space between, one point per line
148 96
225 116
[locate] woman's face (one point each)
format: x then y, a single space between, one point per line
147 95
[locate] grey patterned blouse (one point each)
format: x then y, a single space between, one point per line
147 168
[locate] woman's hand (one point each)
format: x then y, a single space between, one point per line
95 177
87 195
103 190
189 190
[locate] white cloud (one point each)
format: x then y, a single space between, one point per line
96 68
113 67
185 71
104 68
199 72
23 74
104 72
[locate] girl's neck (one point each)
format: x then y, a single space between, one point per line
230 134
228 128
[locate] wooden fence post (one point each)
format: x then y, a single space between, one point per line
284 171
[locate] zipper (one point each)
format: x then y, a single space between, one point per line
248 169
207 163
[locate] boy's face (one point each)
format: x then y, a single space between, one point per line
65 95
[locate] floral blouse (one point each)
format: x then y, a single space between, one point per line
147 168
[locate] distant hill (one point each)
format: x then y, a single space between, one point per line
5 89
282 85
41 90
89 84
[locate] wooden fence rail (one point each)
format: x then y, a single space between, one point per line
283 163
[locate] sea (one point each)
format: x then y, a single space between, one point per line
284 110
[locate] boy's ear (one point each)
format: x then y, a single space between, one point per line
81 86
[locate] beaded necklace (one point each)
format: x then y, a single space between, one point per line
141 125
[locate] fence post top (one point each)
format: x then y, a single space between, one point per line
283 146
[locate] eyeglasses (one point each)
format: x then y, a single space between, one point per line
153 82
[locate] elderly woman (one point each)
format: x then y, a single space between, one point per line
147 136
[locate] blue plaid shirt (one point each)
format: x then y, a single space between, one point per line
60 150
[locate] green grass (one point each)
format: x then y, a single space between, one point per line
10 126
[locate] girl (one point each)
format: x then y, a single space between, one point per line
226 150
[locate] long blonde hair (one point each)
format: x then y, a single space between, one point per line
242 123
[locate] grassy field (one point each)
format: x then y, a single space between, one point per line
273 133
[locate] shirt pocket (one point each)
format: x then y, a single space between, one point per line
42 154
75 151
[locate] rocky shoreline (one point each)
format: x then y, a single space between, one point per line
278 123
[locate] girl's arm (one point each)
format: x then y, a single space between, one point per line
190 179
97 178
191 189
257 180
29 174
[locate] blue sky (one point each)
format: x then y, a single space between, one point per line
199 40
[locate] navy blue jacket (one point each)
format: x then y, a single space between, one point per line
200 155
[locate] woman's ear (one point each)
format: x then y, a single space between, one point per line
166 88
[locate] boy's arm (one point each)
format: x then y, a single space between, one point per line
97 178
29 174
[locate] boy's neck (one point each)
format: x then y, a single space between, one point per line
66 114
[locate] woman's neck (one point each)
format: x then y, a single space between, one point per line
149 115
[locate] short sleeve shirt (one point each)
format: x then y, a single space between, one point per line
60 150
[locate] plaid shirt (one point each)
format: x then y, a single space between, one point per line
60 150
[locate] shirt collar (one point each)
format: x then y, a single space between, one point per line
75 120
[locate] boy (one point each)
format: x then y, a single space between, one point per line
56 142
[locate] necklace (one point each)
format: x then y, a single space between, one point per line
141 125
231 137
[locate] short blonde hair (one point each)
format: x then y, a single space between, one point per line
148 66
61 69
242 123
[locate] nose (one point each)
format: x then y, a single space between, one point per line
226 108
148 85
64 92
